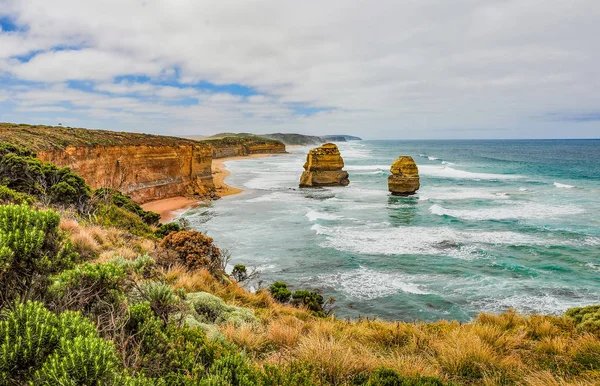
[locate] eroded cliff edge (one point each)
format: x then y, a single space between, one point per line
147 167
242 146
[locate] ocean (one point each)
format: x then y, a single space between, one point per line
496 225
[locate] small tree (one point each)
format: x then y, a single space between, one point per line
239 273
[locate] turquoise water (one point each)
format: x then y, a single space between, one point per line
495 225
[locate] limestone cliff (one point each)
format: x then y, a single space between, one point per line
404 180
323 167
242 146
147 167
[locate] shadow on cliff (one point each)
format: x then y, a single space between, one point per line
402 210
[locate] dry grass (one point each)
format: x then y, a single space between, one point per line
502 349
337 361
103 244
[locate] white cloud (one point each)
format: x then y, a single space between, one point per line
394 68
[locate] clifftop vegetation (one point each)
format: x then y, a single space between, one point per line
93 292
48 138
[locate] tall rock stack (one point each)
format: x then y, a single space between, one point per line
323 167
404 180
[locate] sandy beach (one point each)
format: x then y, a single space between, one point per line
171 208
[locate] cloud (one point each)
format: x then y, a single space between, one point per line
390 69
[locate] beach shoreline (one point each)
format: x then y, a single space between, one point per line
171 208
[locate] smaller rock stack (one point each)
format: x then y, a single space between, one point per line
404 180
323 167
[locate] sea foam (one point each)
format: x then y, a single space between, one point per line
366 284
314 216
415 240
452 173
515 211
563 186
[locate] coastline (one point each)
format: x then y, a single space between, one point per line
171 208
220 173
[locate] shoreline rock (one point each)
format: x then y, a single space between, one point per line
404 180
323 167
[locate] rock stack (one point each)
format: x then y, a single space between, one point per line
404 180
323 167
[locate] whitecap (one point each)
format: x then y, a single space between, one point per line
314 216
432 158
563 186
462 194
447 163
523 189
593 266
384 240
366 284
366 167
448 172
517 212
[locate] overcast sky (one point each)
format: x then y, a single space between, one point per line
388 69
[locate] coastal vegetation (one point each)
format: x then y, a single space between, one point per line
95 292
291 139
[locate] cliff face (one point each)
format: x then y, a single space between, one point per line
404 180
240 146
147 167
144 172
323 167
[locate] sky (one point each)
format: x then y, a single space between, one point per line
384 69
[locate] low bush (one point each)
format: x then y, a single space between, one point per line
388 377
41 348
309 299
164 229
586 318
114 197
207 308
114 216
22 172
194 250
31 248
9 196
280 292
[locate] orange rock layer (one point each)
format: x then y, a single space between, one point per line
144 172
404 180
323 167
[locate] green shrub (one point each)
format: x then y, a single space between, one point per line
309 299
207 308
28 334
295 374
231 370
280 291
388 377
22 172
121 200
43 348
162 299
80 361
9 196
31 247
113 216
239 273
90 288
164 229
586 318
